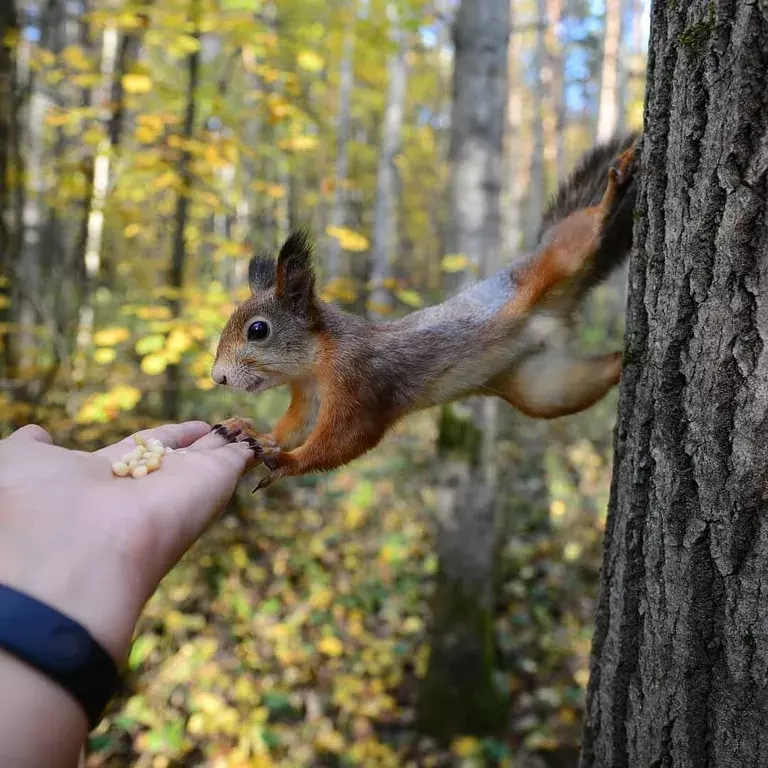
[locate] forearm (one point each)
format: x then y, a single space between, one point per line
41 725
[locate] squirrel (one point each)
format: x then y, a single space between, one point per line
507 336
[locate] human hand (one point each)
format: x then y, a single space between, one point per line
95 546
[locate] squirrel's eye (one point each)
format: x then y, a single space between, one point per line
258 331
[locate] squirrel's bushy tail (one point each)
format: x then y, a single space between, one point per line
585 188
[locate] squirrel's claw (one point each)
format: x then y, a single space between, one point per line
267 481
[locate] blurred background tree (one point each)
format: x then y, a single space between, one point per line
147 150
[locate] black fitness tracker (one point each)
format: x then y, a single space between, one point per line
58 647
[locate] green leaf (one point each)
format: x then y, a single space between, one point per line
455 262
409 297
141 649
150 344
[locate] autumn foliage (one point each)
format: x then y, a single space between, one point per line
148 150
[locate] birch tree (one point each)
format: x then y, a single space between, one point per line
385 212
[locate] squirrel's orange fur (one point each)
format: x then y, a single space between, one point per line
506 336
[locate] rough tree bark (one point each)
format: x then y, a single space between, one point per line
681 645
458 694
385 213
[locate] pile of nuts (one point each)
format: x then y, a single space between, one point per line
146 457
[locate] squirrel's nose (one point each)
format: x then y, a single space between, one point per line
218 375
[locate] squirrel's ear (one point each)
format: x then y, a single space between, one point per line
262 272
295 283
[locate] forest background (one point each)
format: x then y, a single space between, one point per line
147 149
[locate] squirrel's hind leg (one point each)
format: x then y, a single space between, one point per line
552 383
570 249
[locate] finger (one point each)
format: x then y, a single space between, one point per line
31 432
209 442
195 487
173 435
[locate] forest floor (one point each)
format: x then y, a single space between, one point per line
295 632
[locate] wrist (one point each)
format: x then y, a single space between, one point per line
91 595
40 723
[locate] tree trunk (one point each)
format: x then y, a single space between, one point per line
681 643
608 107
8 170
179 254
515 166
537 182
554 119
385 213
8 27
458 694
97 185
335 265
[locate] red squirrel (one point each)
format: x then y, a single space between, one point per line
507 336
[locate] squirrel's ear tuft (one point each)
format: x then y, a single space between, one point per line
295 282
262 273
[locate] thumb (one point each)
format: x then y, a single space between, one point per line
31 432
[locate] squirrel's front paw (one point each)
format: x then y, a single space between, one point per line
265 449
235 429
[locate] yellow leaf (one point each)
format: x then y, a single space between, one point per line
455 262
178 341
132 230
153 313
581 676
108 337
48 58
411 298
145 135
330 741
4 302
331 646
86 80
74 57
275 191
152 122
136 83
154 364
572 551
149 344
348 239
104 355
205 383
413 624
465 746
310 61
166 179
124 396
321 599
557 509
298 143
341 289
129 21
187 44
57 118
